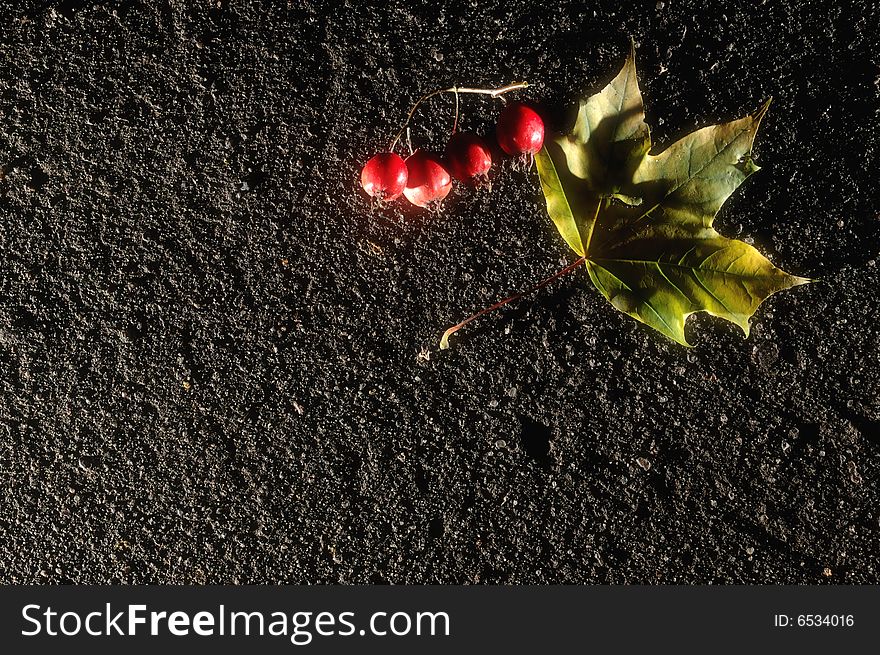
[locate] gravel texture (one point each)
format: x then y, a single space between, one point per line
219 364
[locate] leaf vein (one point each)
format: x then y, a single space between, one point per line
685 266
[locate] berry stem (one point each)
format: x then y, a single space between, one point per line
455 122
491 92
444 341
495 93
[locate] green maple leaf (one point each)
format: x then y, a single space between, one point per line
642 222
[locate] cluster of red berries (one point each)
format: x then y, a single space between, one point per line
425 178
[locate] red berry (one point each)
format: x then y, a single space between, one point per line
384 176
429 181
469 158
520 130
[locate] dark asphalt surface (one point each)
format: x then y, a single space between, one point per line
217 364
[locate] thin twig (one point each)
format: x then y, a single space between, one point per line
494 93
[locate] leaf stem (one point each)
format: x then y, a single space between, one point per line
444 341
494 93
